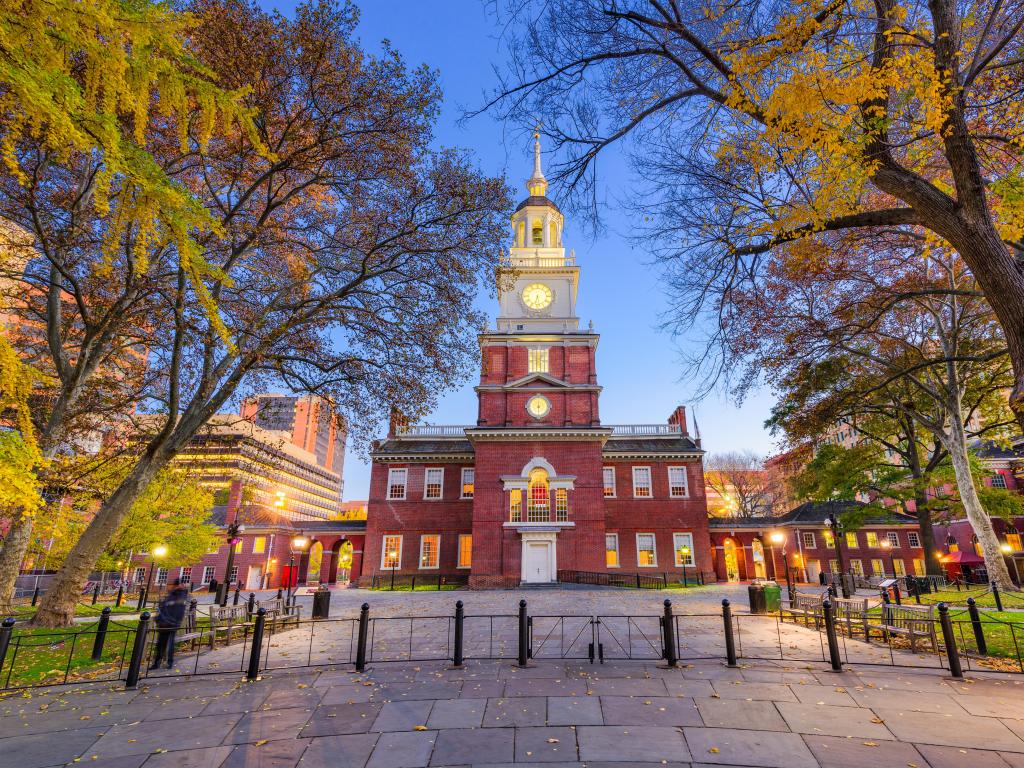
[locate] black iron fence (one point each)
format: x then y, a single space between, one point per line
413 582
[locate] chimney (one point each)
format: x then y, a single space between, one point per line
679 417
398 420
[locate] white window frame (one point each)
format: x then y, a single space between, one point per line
605 471
857 566
233 576
427 483
392 473
675 549
384 551
140 574
208 571
808 539
618 553
539 364
650 483
686 483
846 540
894 538
423 541
262 541
881 566
458 552
900 566
185 574
654 549
867 540
914 539
561 505
471 471
161 576
1002 481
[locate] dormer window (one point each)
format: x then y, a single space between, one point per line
537 233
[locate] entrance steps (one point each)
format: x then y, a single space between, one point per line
539 585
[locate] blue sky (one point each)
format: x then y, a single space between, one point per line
637 364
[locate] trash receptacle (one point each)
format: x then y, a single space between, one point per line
772 597
755 592
322 603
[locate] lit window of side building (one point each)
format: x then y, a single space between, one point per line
538 489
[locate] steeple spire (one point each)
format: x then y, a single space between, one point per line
537 184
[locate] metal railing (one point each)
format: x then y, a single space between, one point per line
431 430
412 582
645 430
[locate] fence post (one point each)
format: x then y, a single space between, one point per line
524 634
6 631
730 640
238 592
364 626
95 594
830 632
979 632
669 635
35 596
949 640
138 651
250 606
917 591
280 593
142 599
101 634
997 596
256 650
120 595
896 592
460 616
638 581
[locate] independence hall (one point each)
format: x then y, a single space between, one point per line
538 486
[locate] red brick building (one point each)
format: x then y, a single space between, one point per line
539 486
744 548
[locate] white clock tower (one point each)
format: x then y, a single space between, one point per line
537 284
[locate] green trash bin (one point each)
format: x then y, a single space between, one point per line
772 597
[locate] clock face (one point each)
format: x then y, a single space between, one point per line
538 406
537 296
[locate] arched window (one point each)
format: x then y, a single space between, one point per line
521 236
537 233
553 241
538 498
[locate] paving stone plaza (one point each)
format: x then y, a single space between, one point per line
559 712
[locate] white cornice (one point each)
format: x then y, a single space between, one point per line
556 434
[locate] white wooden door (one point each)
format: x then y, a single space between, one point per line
537 560
255 579
813 569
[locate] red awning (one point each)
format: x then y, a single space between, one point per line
962 558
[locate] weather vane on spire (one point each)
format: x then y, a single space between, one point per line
537 183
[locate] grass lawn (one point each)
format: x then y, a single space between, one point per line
25 612
983 597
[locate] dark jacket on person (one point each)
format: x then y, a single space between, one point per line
171 610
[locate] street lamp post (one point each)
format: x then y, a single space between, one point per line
837 538
887 547
158 551
780 538
299 543
685 550
233 532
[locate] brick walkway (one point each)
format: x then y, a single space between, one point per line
561 713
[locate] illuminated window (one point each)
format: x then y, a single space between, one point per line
876 568
553 232
918 567
433 480
677 482
561 505
893 537
851 540
391 552
259 545
238 547
430 551
833 566
642 482
465 550
901 568
538 497
609 482
468 476
396 483
830 540
682 544
914 539
872 539
521 236
537 233
1013 539
538 361
515 505
953 546
646 554
809 540
611 550
857 567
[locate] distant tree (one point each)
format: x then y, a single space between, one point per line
346 264
757 126
740 479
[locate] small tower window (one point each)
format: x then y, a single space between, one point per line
521 236
537 233
538 361
554 235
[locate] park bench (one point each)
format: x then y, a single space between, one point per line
279 613
805 607
189 631
852 614
916 622
226 621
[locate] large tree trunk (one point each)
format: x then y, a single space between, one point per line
57 608
11 556
976 516
932 566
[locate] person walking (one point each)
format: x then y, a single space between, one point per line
170 614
